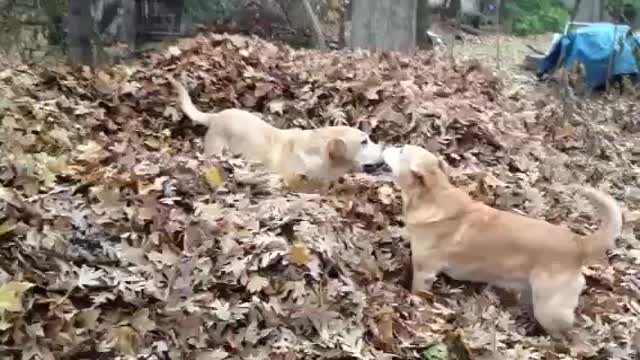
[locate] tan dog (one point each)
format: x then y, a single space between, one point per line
468 240
322 154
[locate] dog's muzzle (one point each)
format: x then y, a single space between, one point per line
376 169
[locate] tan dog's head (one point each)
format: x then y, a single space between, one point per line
415 168
352 149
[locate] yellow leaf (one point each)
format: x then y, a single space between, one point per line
385 324
298 254
124 339
153 143
212 175
294 181
7 227
11 295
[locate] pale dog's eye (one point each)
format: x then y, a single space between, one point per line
364 141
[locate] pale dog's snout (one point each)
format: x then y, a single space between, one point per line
391 156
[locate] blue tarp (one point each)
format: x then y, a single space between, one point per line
591 45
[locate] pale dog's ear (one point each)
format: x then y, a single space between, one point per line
337 149
418 175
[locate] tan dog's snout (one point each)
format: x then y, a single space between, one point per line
412 163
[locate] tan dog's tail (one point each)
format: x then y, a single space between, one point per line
187 105
610 213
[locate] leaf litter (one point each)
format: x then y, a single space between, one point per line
119 239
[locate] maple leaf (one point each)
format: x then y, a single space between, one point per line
222 310
257 283
123 339
298 254
438 351
212 176
141 322
7 227
87 276
11 295
217 354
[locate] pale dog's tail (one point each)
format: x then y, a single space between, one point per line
187 105
608 210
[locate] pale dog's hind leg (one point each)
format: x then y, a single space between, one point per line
213 143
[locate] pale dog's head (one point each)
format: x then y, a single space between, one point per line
352 149
415 168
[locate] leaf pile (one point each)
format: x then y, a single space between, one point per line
118 238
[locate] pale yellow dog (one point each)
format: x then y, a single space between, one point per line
322 154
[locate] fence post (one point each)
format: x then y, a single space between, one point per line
80 32
129 23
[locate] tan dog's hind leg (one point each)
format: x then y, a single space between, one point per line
555 298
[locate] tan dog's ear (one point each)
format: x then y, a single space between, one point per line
442 165
337 149
427 178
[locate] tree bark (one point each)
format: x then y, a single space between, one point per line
383 24
301 16
129 24
423 23
80 32
453 9
318 36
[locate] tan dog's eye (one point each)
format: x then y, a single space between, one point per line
364 141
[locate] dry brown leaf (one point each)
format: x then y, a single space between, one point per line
298 254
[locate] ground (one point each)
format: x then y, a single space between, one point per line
119 239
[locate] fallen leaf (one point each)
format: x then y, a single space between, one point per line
124 339
437 351
217 354
11 295
385 324
298 254
212 176
141 322
7 227
257 283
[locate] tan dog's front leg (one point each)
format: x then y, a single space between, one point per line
424 274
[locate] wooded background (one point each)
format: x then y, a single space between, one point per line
52 30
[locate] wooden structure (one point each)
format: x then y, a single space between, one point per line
129 22
159 17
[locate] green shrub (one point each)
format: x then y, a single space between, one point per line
536 16
203 11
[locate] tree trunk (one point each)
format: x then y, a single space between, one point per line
383 24
423 23
80 32
129 24
301 16
453 9
345 17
